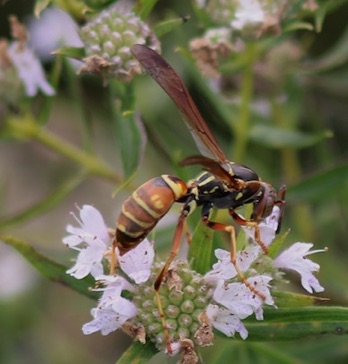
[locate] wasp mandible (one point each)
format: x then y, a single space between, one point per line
223 184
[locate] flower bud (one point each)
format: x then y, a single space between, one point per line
108 39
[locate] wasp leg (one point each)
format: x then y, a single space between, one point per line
187 233
160 278
113 260
231 230
250 223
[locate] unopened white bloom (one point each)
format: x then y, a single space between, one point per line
295 258
29 70
248 13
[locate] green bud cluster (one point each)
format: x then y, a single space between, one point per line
184 297
108 39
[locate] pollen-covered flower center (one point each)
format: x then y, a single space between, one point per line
184 298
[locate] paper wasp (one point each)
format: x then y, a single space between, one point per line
223 184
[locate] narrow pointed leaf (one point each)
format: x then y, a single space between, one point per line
50 269
143 8
138 353
299 323
274 137
72 52
167 26
325 183
201 248
291 299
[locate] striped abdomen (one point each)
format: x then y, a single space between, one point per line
145 207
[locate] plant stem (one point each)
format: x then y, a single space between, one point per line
242 126
27 129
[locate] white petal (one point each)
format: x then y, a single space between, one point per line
224 269
267 227
93 222
248 12
240 300
137 262
89 261
110 315
295 258
223 320
29 70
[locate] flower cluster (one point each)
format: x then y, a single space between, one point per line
108 39
193 304
233 22
21 73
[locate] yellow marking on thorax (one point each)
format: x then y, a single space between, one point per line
239 195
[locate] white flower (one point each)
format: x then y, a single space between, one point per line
224 269
234 301
29 70
94 236
112 310
295 258
54 29
248 13
226 322
137 263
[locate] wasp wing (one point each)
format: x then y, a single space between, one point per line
172 84
213 167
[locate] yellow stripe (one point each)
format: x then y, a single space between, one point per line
144 205
131 217
175 187
126 232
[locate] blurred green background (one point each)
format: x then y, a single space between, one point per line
302 87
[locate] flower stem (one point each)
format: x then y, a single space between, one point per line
27 129
242 126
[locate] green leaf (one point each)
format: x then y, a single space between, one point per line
201 248
72 52
325 183
143 8
129 129
167 26
291 299
335 57
298 25
298 323
138 353
40 6
274 137
50 269
324 9
131 138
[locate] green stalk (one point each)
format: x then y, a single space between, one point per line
242 126
25 128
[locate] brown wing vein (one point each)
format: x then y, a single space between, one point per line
172 84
